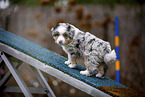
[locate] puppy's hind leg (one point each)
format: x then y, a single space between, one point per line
89 71
102 70
105 69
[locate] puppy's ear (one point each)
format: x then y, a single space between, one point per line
70 30
52 29
69 27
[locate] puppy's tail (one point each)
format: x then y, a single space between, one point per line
110 58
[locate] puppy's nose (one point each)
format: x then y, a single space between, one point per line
60 42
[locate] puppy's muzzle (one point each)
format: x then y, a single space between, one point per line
60 42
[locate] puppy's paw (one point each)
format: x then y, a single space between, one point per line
67 62
86 72
72 66
99 75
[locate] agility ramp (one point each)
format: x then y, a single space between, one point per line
51 63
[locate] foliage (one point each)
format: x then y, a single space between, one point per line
102 2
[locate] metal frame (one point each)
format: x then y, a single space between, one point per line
1 60
43 82
52 71
7 76
22 86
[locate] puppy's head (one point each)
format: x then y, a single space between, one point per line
63 33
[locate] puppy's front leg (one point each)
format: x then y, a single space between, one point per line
69 60
69 55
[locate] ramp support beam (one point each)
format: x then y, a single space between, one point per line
22 86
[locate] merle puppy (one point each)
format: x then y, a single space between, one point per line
77 44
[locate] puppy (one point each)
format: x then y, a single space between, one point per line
96 53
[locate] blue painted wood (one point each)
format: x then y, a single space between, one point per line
117 48
116 26
117 52
118 76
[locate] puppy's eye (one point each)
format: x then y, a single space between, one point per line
65 35
56 35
